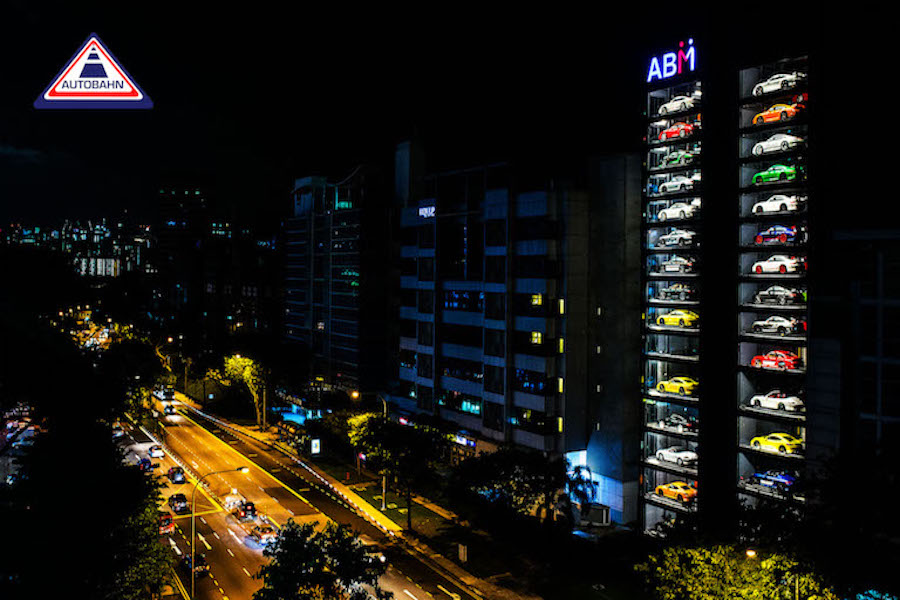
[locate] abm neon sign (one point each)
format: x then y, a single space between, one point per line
673 63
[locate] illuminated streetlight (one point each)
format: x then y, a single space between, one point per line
751 553
354 394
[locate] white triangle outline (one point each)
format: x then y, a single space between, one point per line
92 96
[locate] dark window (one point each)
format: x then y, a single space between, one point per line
424 366
426 333
407 328
426 236
462 369
495 306
494 342
463 335
407 359
495 232
426 301
493 416
407 266
426 269
407 297
493 379
425 400
867 385
495 269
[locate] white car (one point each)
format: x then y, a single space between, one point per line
679 455
780 142
677 264
679 210
777 263
778 400
677 237
156 452
679 183
778 203
677 104
779 81
776 324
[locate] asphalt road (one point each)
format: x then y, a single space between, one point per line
281 490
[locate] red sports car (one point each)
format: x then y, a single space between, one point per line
678 130
777 359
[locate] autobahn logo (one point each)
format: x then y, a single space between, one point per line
93 78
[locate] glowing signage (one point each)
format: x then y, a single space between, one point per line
426 212
315 446
673 63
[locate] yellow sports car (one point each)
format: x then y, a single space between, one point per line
677 490
678 385
783 443
679 317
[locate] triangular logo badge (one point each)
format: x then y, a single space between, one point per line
93 78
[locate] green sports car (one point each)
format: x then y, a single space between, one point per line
679 157
776 173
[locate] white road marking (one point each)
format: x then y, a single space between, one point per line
408 593
217 535
234 535
202 520
175 547
203 539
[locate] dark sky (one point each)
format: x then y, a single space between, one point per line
247 98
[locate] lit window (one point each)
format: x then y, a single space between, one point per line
562 345
537 299
560 421
559 384
562 306
537 337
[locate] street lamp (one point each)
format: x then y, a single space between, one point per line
383 471
751 553
193 511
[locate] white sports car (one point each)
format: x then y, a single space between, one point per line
679 183
677 264
679 455
677 237
779 81
677 104
777 400
778 263
778 203
679 210
780 142
776 324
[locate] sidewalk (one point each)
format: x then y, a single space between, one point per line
364 492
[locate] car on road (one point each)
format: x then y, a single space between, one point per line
782 443
677 490
264 534
777 400
169 409
166 523
683 386
777 359
680 455
246 511
780 142
156 451
200 563
176 475
178 503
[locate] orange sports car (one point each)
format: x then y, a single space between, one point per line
677 490
777 112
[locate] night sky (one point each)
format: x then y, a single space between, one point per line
246 99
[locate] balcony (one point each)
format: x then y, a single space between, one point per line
537 441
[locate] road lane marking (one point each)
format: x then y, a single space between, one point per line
230 552
202 520
175 547
247 572
217 535
234 535
449 593
408 593
203 539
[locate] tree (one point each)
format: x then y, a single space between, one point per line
246 370
408 453
727 572
310 565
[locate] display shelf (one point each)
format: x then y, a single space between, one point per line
680 507
772 337
672 329
657 302
799 457
685 399
777 308
761 491
670 431
669 467
672 357
773 414
773 370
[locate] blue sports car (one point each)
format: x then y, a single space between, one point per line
778 234
782 481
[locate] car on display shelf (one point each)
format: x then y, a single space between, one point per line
677 237
777 294
677 490
783 443
176 475
156 451
683 386
677 104
679 183
779 263
779 234
775 174
679 423
779 203
677 158
776 113
779 81
676 130
678 210
680 455
778 400
677 264
777 359
679 317
780 142
776 479
778 324
676 291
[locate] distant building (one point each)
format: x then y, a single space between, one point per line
338 278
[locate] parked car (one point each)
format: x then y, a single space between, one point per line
776 113
778 400
680 455
778 324
779 203
683 386
677 104
677 130
677 490
777 359
783 443
777 479
779 234
779 263
678 183
677 237
678 158
679 422
676 291
776 174
677 264
778 81
777 294
679 317
678 210
779 142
